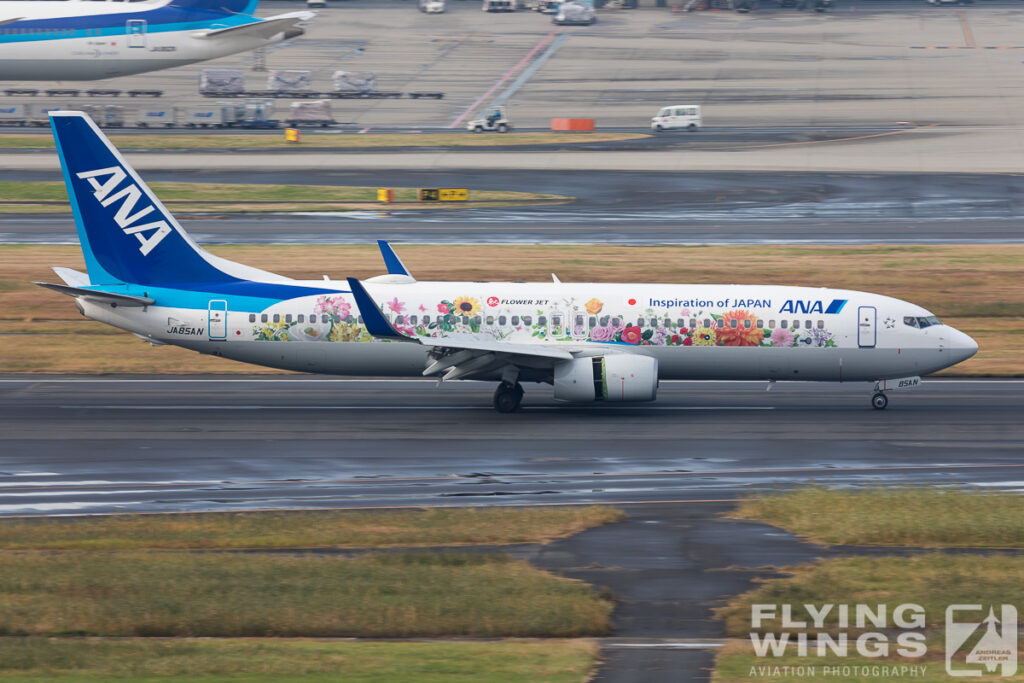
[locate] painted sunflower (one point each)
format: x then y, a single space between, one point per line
704 336
466 305
745 333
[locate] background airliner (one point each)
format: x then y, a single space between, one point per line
76 40
592 342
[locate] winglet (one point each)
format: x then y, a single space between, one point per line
376 324
391 260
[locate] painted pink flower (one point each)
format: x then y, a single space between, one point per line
782 337
632 335
396 305
442 308
684 312
602 334
423 308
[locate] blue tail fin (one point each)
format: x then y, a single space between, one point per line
126 233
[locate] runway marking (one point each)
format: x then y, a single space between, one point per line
968 37
425 382
813 142
504 78
395 408
456 477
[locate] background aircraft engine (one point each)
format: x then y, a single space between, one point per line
620 377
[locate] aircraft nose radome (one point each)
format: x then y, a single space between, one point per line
962 346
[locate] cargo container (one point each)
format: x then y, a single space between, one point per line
355 81
289 81
155 117
13 115
224 81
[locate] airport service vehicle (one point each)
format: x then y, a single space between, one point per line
547 6
432 6
499 6
592 342
316 4
83 41
677 116
574 14
495 121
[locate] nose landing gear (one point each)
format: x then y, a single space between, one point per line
879 401
508 397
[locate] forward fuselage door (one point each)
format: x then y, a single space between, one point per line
136 30
867 333
218 320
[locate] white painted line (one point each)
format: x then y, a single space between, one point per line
685 646
86 406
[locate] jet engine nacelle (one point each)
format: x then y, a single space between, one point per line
619 377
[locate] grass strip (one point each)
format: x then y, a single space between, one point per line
931 580
976 288
248 198
894 516
315 529
173 593
24 660
241 141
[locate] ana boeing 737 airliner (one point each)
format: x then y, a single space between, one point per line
76 40
592 342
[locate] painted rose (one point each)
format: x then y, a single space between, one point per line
782 337
443 307
632 335
593 306
687 342
602 334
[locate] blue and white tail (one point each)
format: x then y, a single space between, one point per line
127 235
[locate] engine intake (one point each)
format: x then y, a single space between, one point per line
619 377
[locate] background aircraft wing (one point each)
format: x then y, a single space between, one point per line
265 28
10 21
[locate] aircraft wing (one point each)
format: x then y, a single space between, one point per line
10 21
265 28
457 355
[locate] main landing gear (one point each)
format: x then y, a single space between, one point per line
508 397
879 401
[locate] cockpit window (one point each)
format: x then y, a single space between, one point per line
921 321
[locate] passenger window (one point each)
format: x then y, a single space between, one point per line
784 324
579 322
528 320
616 322
502 320
593 321
734 323
302 317
707 322
760 324
399 319
746 324
515 321
693 322
412 320
796 324
252 317
426 320
359 319
821 324
277 317
542 321
288 318
263 318
721 323
604 321
476 320
490 320
807 324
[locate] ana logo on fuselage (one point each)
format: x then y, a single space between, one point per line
801 306
148 234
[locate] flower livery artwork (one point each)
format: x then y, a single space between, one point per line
334 319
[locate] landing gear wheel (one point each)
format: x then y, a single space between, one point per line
879 401
508 397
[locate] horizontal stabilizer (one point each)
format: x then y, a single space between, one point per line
104 297
266 28
70 276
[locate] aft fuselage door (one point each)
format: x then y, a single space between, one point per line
218 320
136 30
867 334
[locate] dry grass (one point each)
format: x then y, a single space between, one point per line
412 594
894 517
931 580
976 288
241 141
271 661
316 529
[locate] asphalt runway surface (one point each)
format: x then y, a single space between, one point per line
96 445
617 207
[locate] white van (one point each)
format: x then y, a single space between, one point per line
678 116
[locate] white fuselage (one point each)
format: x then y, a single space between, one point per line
74 40
750 332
